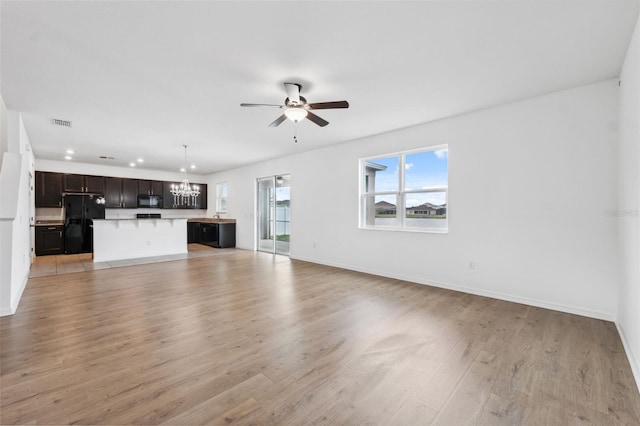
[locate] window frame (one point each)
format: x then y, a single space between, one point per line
401 193
219 197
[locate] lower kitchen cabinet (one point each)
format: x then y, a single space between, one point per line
193 232
218 235
226 235
49 240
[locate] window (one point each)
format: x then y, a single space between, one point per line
221 197
407 190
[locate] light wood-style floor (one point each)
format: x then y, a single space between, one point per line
43 266
252 338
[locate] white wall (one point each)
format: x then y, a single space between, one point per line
530 184
628 211
104 170
16 199
4 139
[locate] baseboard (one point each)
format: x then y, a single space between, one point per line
576 310
632 360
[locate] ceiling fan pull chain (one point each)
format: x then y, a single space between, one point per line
295 131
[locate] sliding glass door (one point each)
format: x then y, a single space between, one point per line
274 216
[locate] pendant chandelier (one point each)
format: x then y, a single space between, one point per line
185 194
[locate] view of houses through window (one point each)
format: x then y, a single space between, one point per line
412 182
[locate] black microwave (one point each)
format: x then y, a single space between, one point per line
150 201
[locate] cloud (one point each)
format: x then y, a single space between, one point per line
441 153
407 166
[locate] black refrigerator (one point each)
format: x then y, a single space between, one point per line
79 211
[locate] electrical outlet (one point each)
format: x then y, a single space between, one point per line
472 265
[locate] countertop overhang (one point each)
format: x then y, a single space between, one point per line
211 220
49 223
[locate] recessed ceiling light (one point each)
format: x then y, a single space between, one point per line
132 164
70 151
140 160
182 169
193 166
67 157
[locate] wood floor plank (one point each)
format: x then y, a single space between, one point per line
238 337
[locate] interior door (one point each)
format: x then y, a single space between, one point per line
274 218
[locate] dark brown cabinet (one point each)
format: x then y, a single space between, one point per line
226 235
167 196
130 193
121 193
49 240
172 203
193 232
48 189
219 235
118 192
83 183
94 184
73 183
150 187
202 199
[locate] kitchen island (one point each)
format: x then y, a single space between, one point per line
119 239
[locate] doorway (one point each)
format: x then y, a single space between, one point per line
274 214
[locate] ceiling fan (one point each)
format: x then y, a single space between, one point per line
296 107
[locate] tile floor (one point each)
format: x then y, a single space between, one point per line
68 263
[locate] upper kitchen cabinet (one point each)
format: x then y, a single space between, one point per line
150 187
48 189
171 202
94 184
202 199
82 183
121 193
73 183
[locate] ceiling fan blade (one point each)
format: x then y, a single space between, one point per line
329 105
261 105
319 121
293 92
278 121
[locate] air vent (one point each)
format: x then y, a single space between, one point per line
104 157
63 123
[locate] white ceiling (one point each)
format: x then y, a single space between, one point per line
142 78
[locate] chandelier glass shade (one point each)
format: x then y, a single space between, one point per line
184 193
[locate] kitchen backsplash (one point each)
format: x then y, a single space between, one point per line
166 213
44 213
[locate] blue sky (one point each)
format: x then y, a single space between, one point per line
423 170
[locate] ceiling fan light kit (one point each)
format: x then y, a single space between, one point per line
296 107
295 114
